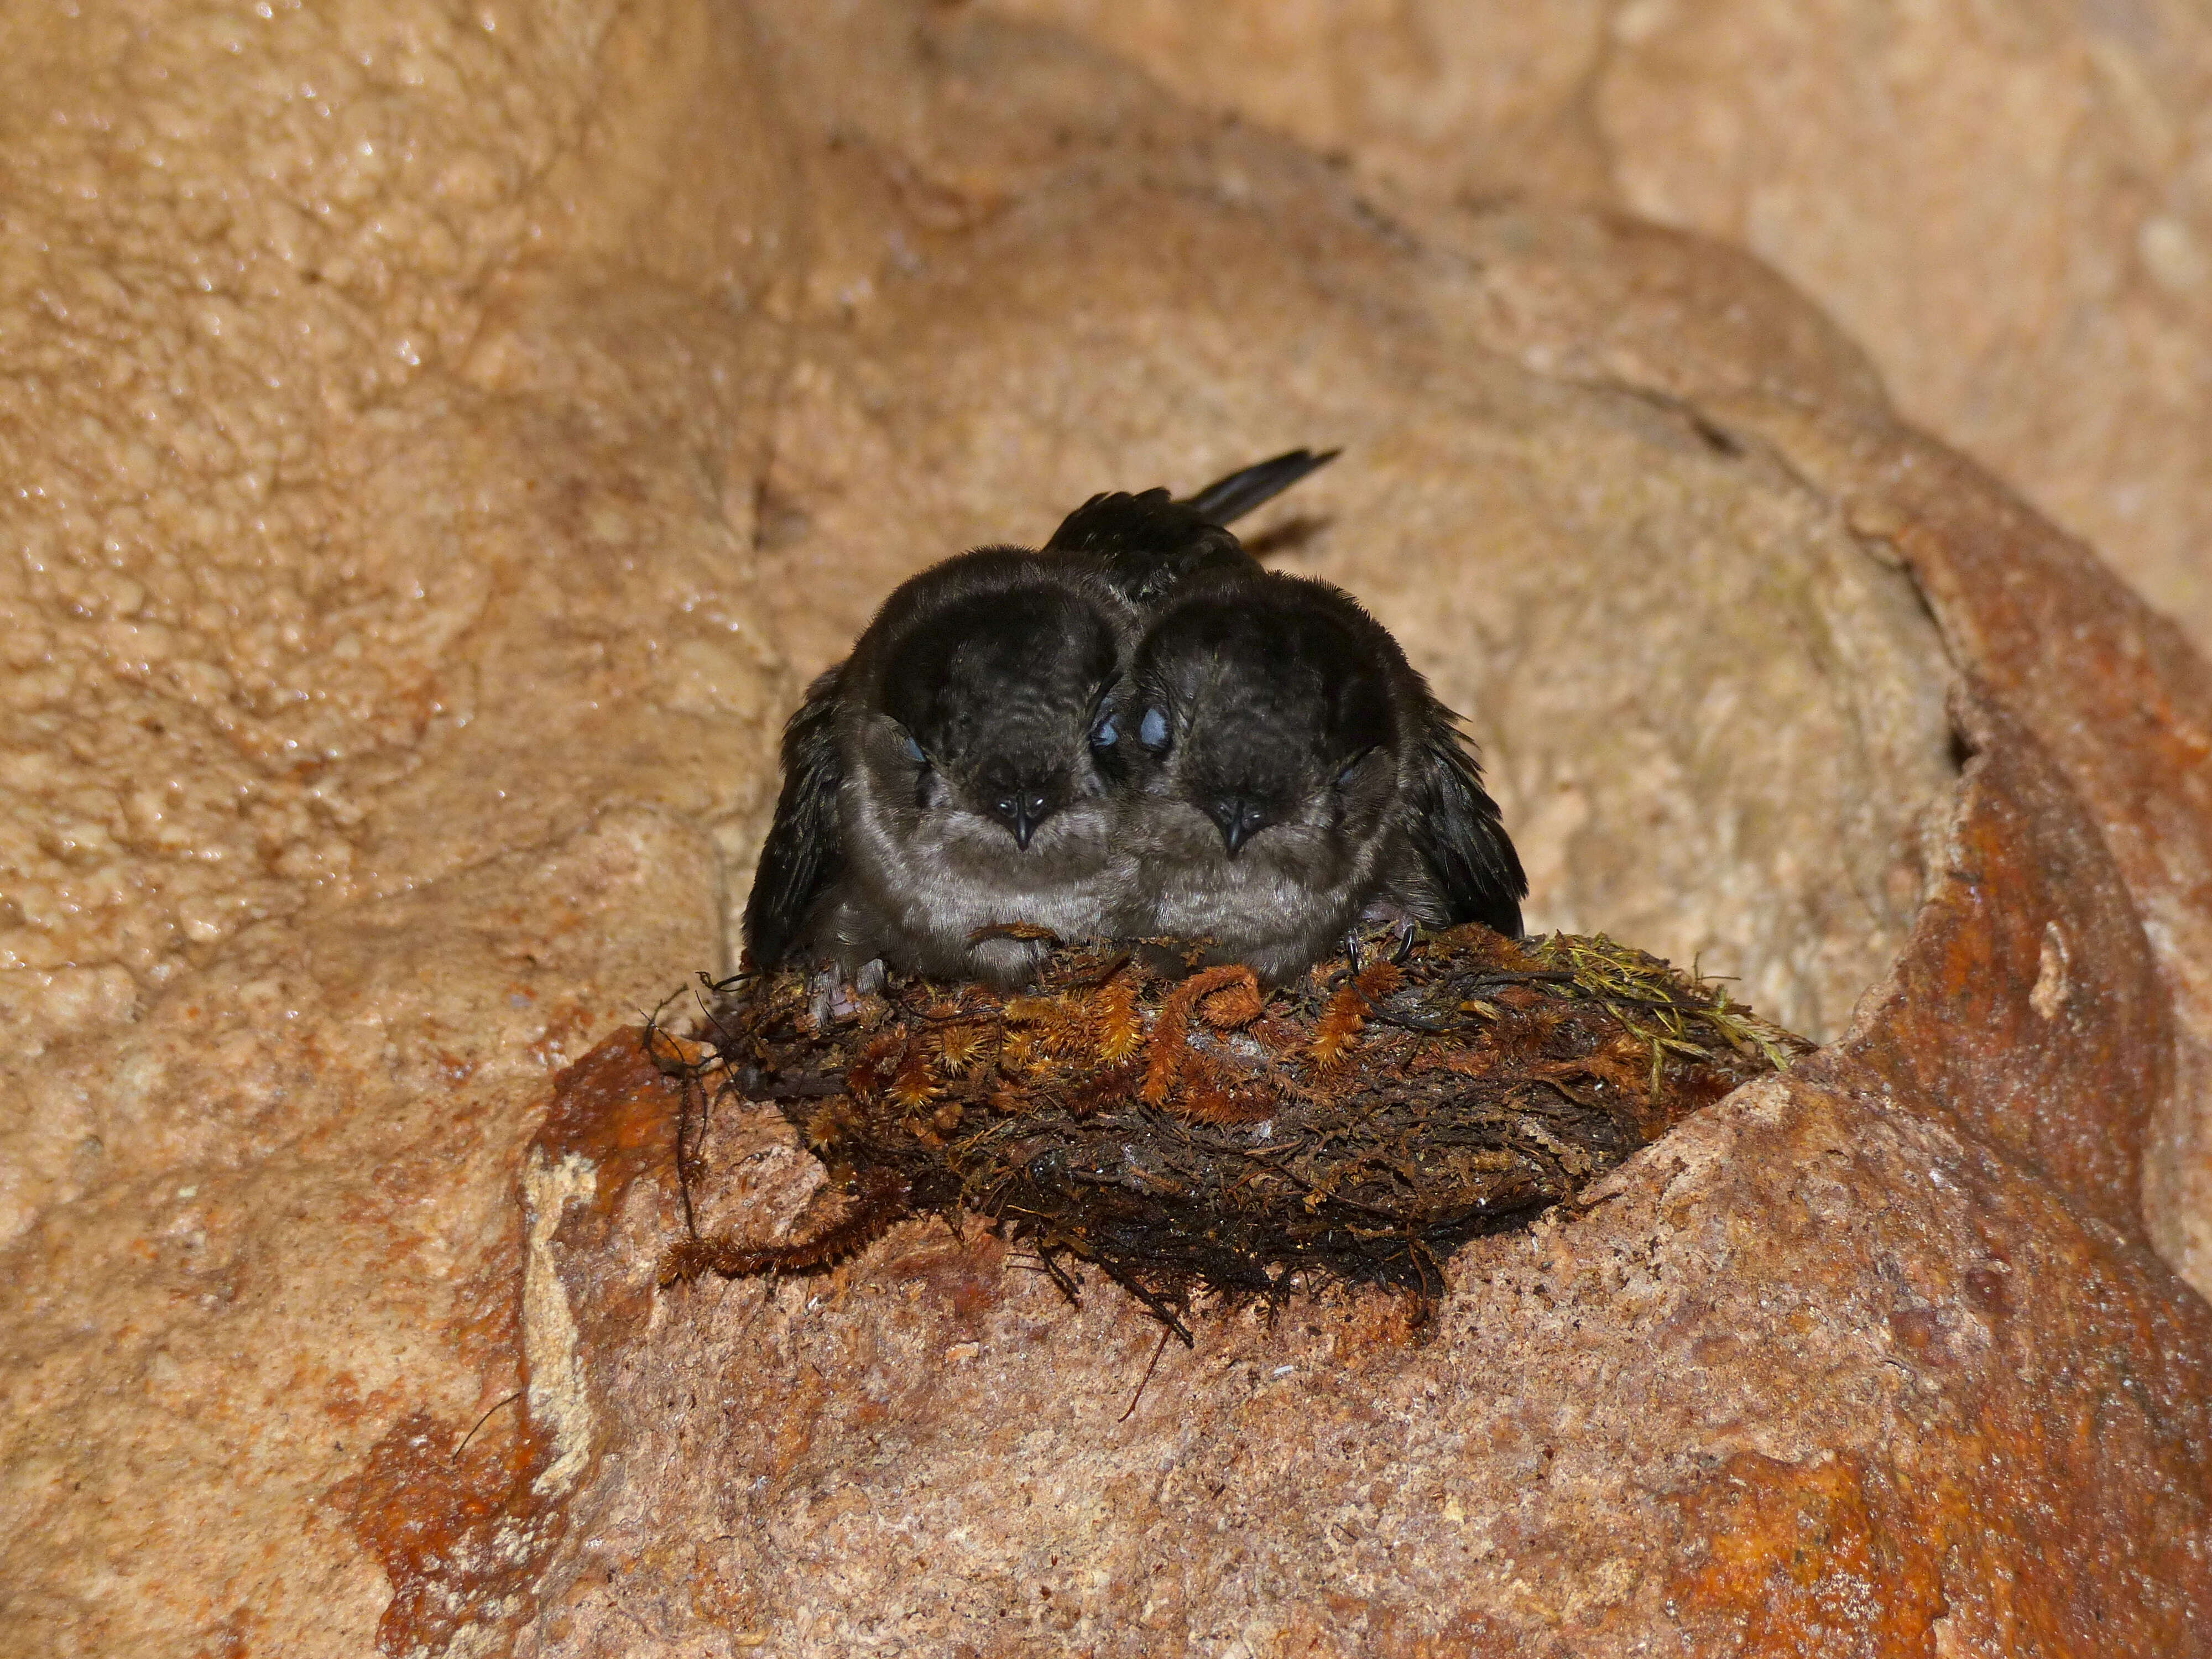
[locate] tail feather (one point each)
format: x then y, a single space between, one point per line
1227 500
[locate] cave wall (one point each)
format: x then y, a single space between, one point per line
441 440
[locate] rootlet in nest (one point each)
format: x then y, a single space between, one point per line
1185 1130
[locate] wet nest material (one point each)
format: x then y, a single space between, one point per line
1186 1131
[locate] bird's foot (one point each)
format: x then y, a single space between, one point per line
1396 923
821 997
831 999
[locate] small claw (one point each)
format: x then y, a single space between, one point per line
829 998
869 981
1383 913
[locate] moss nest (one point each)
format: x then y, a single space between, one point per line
1187 1130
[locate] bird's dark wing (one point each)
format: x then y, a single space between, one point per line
803 853
1117 521
1150 543
1455 827
1147 544
1227 500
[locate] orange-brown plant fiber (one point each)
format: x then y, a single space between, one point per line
1184 1130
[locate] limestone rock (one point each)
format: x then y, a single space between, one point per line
446 439
2010 207
1765 1389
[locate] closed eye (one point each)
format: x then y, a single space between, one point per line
912 749
1351 766
1153 730
1107 733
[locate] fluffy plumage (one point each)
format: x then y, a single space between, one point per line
1148 544
942 779
958 770
1293 774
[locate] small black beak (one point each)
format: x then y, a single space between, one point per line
1240 820
1023 813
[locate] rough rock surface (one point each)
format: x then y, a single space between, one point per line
1821 1371
439 443
2009 205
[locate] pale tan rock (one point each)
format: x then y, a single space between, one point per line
382 674
1463 98
447 438
1111 325
2010 207
1760 1390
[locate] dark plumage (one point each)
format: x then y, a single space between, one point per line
1292 774
957 771
1148 544
944 779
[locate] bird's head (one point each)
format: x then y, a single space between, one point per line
1262 705
994 700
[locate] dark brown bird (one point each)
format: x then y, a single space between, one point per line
961 769
942 780
1293 777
